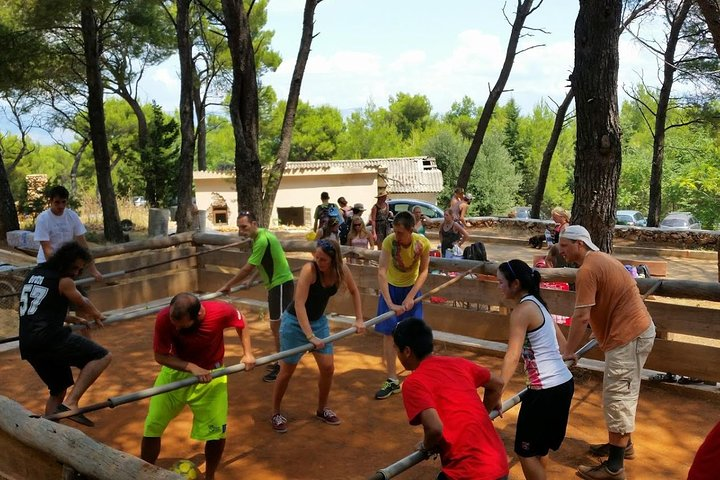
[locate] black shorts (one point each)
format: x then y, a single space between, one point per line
542 420
53 363
279 298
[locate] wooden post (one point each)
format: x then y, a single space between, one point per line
73 448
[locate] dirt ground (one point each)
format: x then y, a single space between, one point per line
374 434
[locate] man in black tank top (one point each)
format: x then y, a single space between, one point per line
47 343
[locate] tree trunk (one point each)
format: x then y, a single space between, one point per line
560 118
677 19
76 164
8 212
96 116
549 152
711 11
598 151
276 173
187 128
201 133
523 10
244 110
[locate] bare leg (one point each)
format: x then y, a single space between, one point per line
326 367
389 356
53 402
87 376
275 328
534 467
281 384
150 449
213 454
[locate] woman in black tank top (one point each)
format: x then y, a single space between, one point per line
305 322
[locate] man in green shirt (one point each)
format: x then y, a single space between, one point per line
269 258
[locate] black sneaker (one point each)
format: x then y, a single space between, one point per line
387 389
272 372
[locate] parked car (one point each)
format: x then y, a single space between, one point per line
139 201
521 212
680 221
407 204
630 217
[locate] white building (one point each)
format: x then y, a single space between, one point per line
357 180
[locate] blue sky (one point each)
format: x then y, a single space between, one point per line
368 50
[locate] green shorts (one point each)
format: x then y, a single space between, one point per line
208 402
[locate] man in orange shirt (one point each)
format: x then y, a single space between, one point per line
607 299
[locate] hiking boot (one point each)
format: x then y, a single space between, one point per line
328 416
388 388
600 472
603 450
279 423
272 372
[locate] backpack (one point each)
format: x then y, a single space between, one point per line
476 251
327 211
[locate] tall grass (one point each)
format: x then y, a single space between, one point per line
90 211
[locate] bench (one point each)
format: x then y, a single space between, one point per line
658 268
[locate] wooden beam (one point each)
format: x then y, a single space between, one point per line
72 447
151 243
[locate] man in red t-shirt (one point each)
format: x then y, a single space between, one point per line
189 341
441 395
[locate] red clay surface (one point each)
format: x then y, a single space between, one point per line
373 434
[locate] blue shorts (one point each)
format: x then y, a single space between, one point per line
292 336
397 295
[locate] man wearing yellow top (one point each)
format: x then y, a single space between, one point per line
404 260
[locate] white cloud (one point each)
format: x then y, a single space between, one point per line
408 59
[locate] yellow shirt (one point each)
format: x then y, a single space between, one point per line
404 264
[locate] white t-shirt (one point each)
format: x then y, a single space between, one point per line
57 229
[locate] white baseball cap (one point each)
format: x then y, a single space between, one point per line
578 232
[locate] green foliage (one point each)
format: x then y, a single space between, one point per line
494 181
449 148
464 116
369 134
409 112
517 147
163 150
221 144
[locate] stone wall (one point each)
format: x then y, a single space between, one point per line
524 229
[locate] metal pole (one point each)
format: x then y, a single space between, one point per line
240 367
142 311
419 455
107 276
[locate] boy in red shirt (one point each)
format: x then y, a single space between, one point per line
441 395
189 341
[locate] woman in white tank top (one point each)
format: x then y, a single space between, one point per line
536 337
